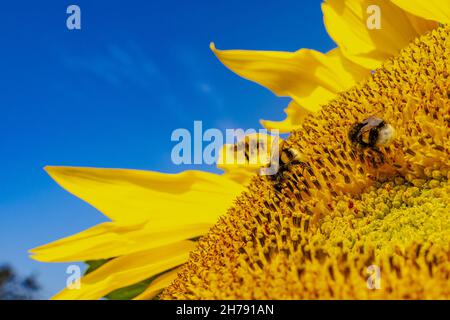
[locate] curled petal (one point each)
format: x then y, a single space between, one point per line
309 77
347 23
294 117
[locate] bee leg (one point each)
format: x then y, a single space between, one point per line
377 158
381 155
299 163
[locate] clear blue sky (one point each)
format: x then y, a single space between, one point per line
110 94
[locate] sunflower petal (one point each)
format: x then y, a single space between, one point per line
128 270
346 23
109 240
242 160
158 284
294 117
134 196
436 10
309 77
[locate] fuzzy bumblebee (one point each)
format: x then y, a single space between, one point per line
371 132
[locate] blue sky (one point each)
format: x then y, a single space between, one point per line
110 95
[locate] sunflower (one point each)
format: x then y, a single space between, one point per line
316 233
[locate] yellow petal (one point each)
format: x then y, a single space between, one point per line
127 270
157 285
436 10
242 160
294 117
165 200
241 175
311 78
110 239
346 22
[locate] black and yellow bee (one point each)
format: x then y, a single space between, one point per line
288 157
251 148
372 132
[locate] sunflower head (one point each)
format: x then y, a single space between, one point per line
363 201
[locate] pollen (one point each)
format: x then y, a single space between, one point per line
317 234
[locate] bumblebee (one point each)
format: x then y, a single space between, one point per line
371 133
288 157
251 149
291 156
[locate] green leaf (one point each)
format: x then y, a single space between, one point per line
128 293
94 265
125 293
